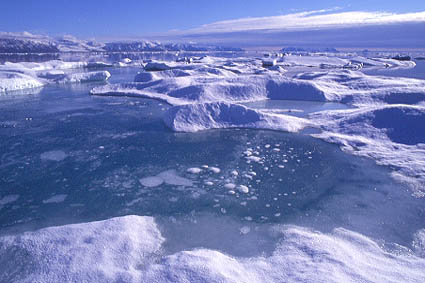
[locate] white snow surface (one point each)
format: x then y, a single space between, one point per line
130 249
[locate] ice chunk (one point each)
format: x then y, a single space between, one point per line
230 186
170 177
194 170
151 181
53 155
55 199
214 169
243 189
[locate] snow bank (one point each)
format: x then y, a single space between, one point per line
196 117
393 135
129 249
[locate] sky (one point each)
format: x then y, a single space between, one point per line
201 19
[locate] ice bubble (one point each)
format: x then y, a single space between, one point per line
234 173
209 183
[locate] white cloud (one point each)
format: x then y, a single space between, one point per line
311 20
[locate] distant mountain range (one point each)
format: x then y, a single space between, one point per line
30 43
309 50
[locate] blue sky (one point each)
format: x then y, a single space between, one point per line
133 18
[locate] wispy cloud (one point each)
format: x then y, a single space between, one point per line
311 20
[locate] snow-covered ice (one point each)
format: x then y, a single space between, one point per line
196 117
130 249
393 135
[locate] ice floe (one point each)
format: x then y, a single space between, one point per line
196 117
56 199
11 81
53 155
27 75
393 135
168 177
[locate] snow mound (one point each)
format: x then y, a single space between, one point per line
129 249
196 117
393 135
